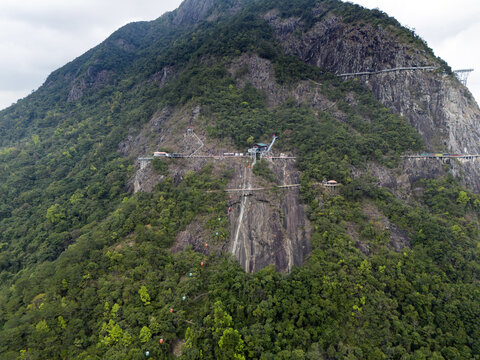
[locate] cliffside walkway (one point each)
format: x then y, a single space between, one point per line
368 73
217 157
265 188
289 186
146 159
442 156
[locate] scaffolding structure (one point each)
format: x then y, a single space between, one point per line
462 75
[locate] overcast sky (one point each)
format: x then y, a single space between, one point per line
39 36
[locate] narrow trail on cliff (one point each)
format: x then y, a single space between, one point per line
247 184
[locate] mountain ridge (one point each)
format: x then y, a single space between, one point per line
101 257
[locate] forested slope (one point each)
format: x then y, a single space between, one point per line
87 270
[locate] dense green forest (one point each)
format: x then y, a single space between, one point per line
86 267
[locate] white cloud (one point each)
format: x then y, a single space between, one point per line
37 37
10 97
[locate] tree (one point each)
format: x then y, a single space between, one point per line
144 295
231 345
145 334
55 213
463 198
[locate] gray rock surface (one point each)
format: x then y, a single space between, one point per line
191 11
442 110
269 226
437 105
273 228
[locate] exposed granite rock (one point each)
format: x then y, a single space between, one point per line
438 106
91 79
273 228
194 11
442 110
77 90
124 45
163 76
145 179
194 235
404 181
258 72
191 11
398 238
252 69
143 143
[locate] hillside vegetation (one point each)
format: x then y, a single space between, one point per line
86 267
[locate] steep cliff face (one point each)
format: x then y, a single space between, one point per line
405 181
437 105
191 11
441 109
268 225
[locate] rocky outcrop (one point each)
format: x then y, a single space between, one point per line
194 11
152 135
93 78
124 45
441 109
195 235
252 69
76 92
405 180
145 179
163 76
258 72
267 226
398 238
191 11
466 170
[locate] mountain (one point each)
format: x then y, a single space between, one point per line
107 252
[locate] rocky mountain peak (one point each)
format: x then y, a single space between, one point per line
193 11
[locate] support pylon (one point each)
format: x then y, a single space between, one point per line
462 75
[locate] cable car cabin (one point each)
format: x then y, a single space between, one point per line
161 154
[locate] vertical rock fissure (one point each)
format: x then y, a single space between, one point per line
289 246
247 183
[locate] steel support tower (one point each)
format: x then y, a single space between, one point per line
462 75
